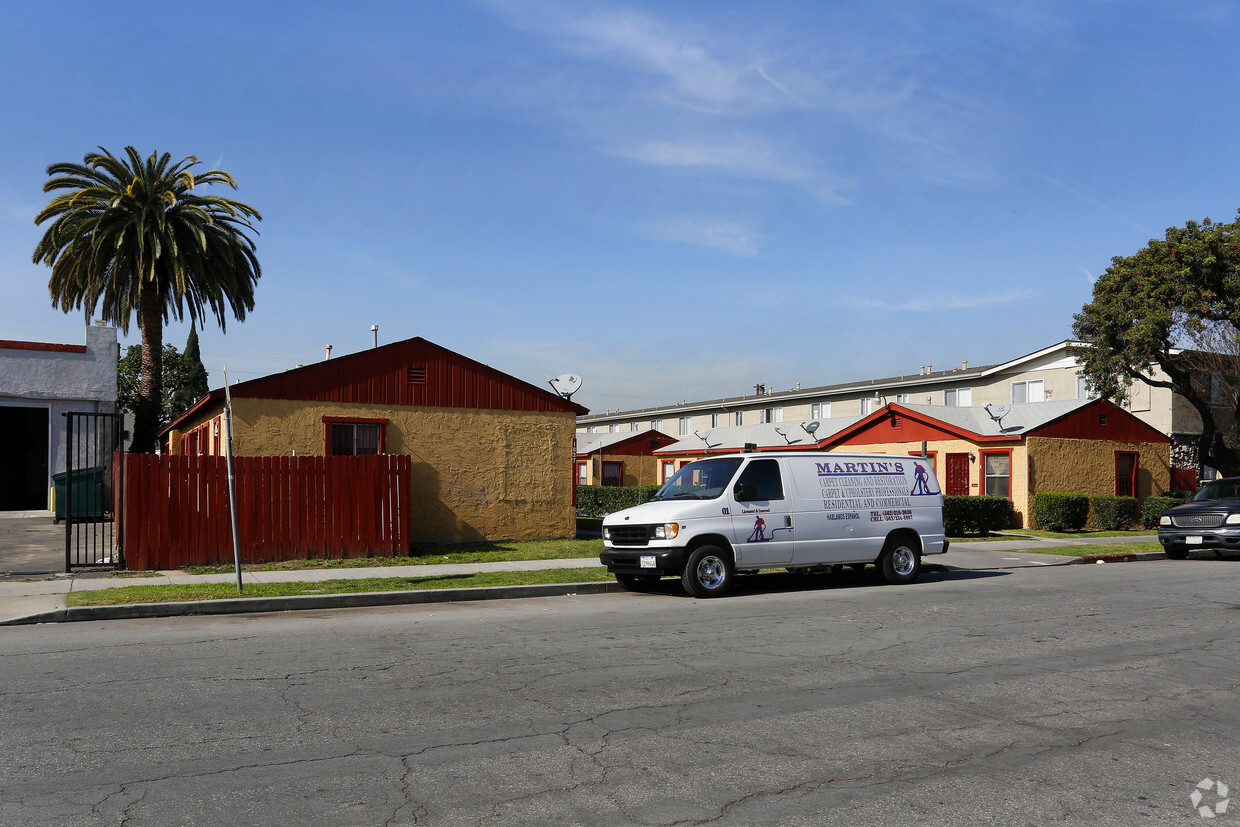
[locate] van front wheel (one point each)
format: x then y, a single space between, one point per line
708 573
900 563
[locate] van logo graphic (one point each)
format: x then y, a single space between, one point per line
921 482
759 531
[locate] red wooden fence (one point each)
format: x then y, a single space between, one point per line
288 508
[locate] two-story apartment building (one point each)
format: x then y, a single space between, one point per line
1049 374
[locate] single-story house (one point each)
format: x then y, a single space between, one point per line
1086 446
39 382
620 459
492 455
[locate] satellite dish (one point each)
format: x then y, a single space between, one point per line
810 427
566 384
997 412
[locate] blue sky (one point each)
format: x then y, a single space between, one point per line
675 200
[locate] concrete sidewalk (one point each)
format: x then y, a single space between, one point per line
41 599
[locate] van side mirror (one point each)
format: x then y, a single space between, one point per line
744 492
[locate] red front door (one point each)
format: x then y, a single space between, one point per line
957 475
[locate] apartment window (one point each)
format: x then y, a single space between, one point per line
867 405
958 397
1082 388
820 410
1028 391
686 425
902 398
997 473
767 415
591 429
740 417
349 436
714 420
614 428
656 424
633 427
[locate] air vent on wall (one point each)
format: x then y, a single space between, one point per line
417 375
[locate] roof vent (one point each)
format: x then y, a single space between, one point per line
417 375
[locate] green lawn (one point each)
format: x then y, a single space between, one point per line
480 553
221 591
1092 549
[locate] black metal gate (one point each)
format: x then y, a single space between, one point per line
86 494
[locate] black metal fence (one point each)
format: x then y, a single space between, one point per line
86 493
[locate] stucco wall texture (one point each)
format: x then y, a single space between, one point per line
478 475
1088 467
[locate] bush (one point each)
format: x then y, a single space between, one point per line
1060 510
1153 507
598 501
1113 513
977 515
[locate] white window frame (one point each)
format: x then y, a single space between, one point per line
685 425
958 398
1032 390
867 405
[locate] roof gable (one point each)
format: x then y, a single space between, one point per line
410 372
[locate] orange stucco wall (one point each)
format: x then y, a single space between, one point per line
478 475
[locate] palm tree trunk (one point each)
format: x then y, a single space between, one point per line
150 394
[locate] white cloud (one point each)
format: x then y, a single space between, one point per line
716 234
1089 276
946 301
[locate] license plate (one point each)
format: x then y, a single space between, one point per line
648 559
1193 540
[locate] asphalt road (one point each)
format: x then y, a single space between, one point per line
1082 695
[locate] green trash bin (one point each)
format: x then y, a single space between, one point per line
88 501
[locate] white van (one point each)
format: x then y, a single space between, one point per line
803 511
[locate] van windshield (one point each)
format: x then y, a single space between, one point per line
701 480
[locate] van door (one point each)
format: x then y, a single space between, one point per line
761 510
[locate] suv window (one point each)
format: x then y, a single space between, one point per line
1227 489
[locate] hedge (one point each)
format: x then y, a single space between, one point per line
1060 510
977 515
1112 513
1153 507
598 500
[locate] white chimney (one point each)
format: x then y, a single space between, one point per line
329 351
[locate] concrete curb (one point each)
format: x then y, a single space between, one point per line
245 605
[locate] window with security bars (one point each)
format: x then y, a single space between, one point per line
348 439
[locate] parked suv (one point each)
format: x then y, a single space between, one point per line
1210 519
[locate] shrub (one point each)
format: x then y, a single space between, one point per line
1113 513
598 501
977 515
1060 510
1153 507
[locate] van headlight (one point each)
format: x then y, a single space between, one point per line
667 531
606 533
1163 520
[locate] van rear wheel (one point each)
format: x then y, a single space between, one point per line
708 572
900 562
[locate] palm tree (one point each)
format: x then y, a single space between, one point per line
129 234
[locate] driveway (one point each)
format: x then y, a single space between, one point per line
30 544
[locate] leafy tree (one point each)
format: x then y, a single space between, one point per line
1173 306
184 380
131 235
129 382
191 377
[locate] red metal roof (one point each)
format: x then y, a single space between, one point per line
411 372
